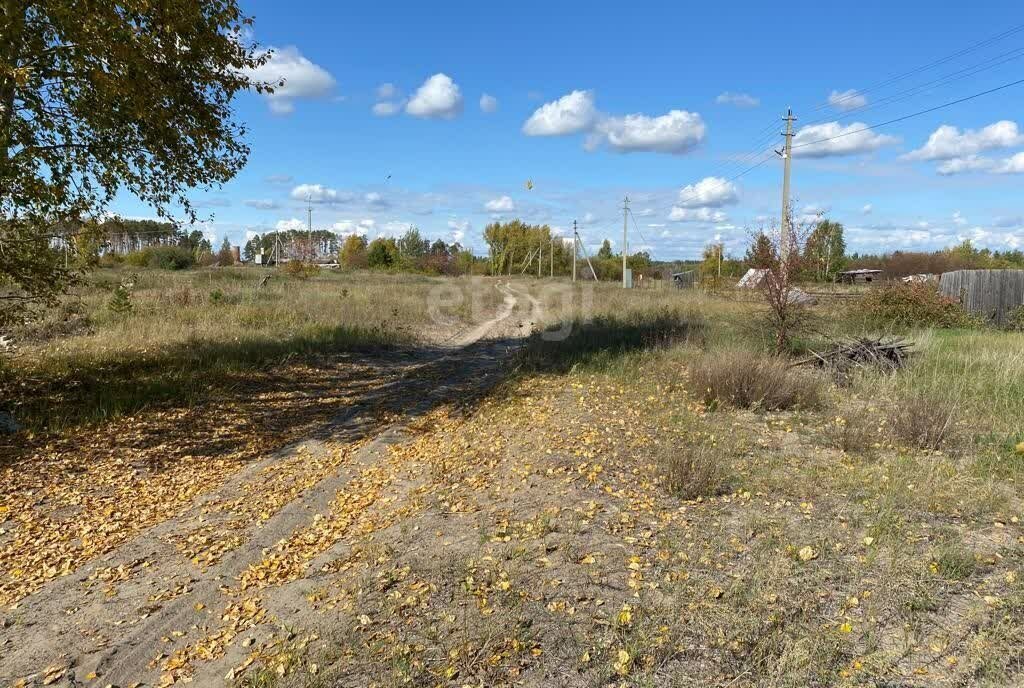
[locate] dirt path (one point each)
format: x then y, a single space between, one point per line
191 598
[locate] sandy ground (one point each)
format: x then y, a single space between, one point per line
169 603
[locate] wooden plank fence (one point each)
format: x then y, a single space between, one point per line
992 294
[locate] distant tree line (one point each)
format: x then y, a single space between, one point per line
410 252
964 256
293 244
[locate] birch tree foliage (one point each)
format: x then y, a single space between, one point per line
102 96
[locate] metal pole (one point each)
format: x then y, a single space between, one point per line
575 249
787 157
309 228
625 245
551 255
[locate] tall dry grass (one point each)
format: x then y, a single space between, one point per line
744 379
188 332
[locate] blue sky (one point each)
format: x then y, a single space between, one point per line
663 102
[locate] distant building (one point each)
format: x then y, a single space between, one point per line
860 276
684 280
753 278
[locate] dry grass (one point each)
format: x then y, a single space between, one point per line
191 332
536 542
853 430
924 422
813 570
692 471
743 379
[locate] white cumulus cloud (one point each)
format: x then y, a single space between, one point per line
1013 165
678 214
438 97
349 227
847 100
975 163
488 103
294 224
261 203
386 91
502 204
302 79
458 228
386 108
677 132
570 114
740 100
318 193
710 192
832 138
948 142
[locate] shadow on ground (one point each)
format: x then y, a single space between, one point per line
602 339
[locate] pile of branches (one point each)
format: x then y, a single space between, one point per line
888 354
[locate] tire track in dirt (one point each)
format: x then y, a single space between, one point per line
122 616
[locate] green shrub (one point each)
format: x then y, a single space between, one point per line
743 379
161 257
918 304
121 301
1015 320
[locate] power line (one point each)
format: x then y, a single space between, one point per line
881 84
911 115
917 70
637 228
958 75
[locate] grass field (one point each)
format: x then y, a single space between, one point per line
649 499
191 332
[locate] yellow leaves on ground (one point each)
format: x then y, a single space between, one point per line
807 553
59 524
623 663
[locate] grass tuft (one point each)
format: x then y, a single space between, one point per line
743 379
692 471
924 422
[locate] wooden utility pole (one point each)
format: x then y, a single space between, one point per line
540 257
625 244
787 156
551 255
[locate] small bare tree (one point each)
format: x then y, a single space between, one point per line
787 305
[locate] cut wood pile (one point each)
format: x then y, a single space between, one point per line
889 354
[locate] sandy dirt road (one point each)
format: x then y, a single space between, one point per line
190 598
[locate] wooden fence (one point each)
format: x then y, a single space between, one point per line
992 294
